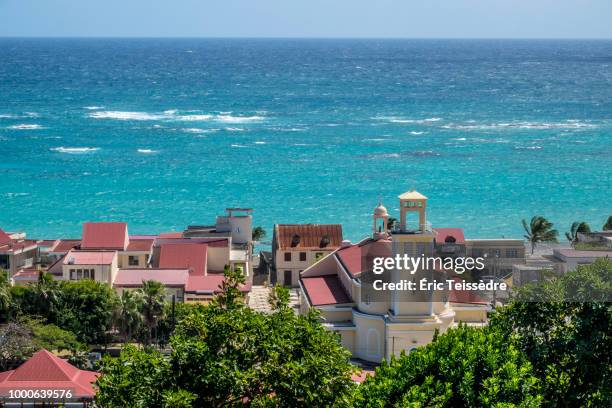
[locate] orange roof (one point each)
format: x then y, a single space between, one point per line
105 235
301 236
47 371
451 235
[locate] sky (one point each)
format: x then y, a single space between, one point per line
307 18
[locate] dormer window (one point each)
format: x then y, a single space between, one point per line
450 239
295 240
324 241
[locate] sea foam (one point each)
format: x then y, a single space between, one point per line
24 126
75 150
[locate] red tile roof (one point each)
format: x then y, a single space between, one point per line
4 238
184 255
351 257
325 290
443 233
65 245
301 236
16 246
104 235
135 277
46 371
76 257
140 245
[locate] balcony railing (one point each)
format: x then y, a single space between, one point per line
409 229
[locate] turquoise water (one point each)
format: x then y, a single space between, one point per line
166 133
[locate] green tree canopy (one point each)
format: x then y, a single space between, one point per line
464 367
564 327
258 234
226 354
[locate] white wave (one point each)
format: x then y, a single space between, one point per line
238 145
93 107
376 140
238 119
195 130
24 126
75 150
293 129
147 151
193 118
234 129
396 119
125 115
460 139
415 133
7 116
528 147
569 124
11 195
259 142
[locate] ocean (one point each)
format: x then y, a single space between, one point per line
163 133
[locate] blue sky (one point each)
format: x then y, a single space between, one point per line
308 18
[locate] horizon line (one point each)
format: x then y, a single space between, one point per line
128 37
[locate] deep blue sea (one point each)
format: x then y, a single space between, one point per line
164 133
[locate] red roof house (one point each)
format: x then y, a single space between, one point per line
105 235
45 371
184 256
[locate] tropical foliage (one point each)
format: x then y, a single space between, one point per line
539 230
608 225
226 354
465 367
565 328
258 234
578 227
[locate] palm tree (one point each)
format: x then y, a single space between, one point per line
5 292
608 225
258 233
153 302
391 221
576 228
128 317
539 230
46 294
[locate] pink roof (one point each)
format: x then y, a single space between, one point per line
104 235
171 235
65 245
76 257
211 242
184 255
27 275
325 290
197 283
351 257
47 371
135 277
4 238
443 233
140 245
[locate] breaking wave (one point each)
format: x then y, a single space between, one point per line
75 150
173 115
25 127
